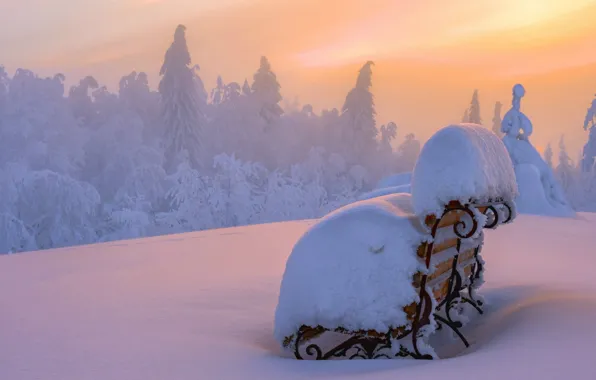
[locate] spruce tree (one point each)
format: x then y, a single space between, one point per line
474 110
265 90
246 88
181 114
358 114
466 117
548 156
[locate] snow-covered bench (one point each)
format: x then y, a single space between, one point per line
378 277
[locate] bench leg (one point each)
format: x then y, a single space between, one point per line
355 347
453 298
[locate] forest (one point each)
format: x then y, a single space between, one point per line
84 165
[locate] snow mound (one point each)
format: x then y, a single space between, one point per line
395 180
539 194
461 162
353 269
385 191
532 198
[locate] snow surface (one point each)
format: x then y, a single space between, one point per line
461 162
201 306
369 247
385 191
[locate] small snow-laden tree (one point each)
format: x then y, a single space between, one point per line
265 91
282 199
388 134
58 210
125 224
386 157
38 127
233 192
217 94
79 97
231 92
246 90
136 96
497 120
474 110
590 119
588 160
188 197
143 189
14 236
180 103
358 120
466 117
310 176
589 151
236 128
564 170
548 156
408 153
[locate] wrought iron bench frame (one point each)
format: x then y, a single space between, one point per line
371 344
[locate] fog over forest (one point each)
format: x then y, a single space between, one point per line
83 164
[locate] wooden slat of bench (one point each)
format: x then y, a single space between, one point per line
444 264
449 219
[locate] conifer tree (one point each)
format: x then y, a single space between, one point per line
182 116
358 114
474 110
265 90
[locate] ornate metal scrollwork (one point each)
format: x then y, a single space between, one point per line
461 229
492 215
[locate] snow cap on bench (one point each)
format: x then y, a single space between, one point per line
461 163
353 269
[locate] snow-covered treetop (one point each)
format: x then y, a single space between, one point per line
515 124
370 247
177 54
590 116
460 163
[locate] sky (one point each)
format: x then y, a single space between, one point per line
429 55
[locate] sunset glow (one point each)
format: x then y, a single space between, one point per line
424 47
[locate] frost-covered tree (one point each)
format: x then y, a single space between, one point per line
231 92
81 102
217 94
408 153
497 119
388 134
38 126
564 169
58 210
182 117
136 96
189 202
474 110
466 117
265 90
358 118
589 151
246 90
548 156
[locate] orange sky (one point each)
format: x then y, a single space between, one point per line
430 54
